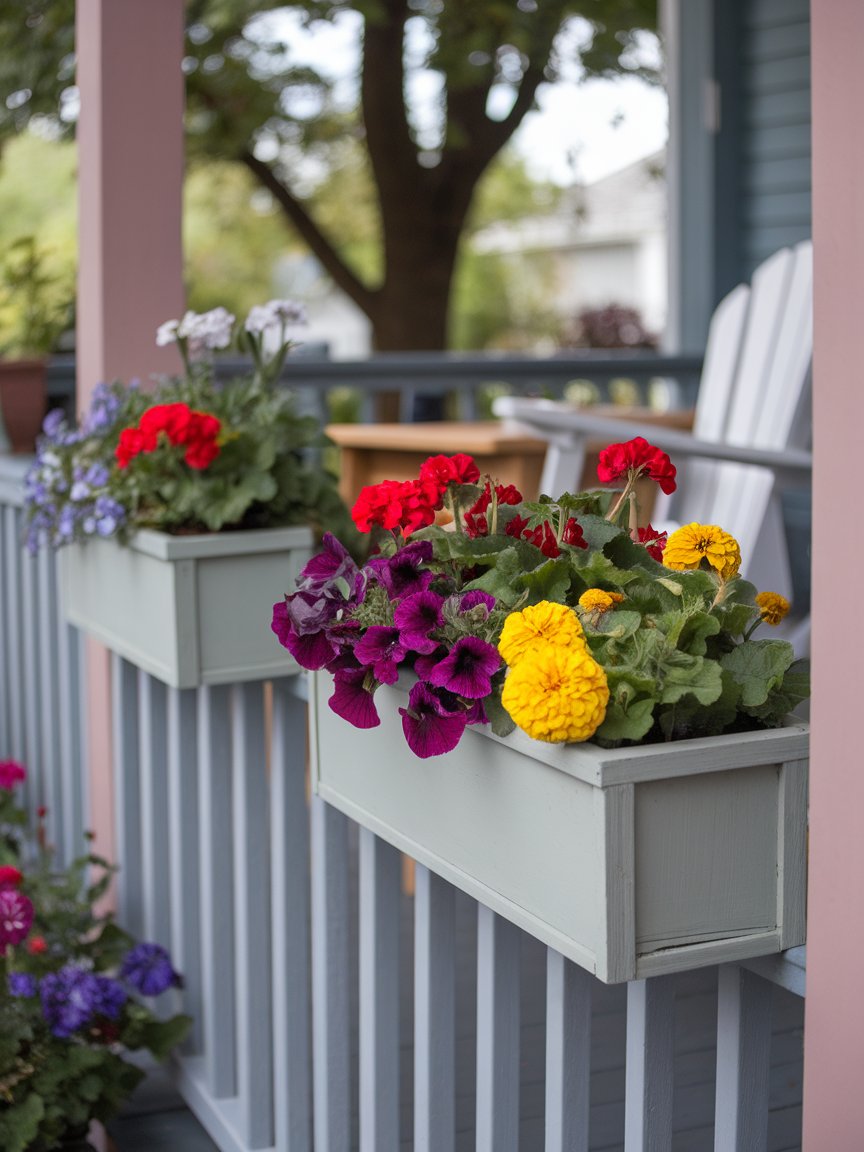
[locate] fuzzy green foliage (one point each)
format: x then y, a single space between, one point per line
677 648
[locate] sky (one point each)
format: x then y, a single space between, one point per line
582 131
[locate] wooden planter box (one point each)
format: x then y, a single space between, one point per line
632 862
189 610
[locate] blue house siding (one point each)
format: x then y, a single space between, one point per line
763 147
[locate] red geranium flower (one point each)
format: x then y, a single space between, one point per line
444 470
654 541
201 453
131 442
573 534
419 499
476 523
378 504
634 458
543 537
37 945
10 877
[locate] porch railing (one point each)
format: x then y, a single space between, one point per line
336 1010
461 379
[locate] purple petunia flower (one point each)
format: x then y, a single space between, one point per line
475 597
148 969
476 714
16 918
23 984
352 699
329 583
381 647
70 999
467 669
430 728
403 574
311 650
415 617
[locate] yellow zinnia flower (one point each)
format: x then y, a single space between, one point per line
557 694
689 546
540 623
774 607
596 600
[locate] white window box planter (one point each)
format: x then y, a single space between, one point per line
632 862
189 610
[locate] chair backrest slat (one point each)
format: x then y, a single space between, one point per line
767 396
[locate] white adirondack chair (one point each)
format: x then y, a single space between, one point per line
752 427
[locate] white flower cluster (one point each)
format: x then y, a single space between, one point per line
202 330
275 313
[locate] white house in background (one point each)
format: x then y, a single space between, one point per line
606 244
334 319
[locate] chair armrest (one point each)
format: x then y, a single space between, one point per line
563 424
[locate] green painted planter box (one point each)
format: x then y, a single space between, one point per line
631 862
189 610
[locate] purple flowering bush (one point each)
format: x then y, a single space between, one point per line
73 991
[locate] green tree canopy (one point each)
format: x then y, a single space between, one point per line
249 100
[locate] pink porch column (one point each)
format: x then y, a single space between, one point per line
130 174
833 1097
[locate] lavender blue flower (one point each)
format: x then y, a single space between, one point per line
70 998
112 997
23 984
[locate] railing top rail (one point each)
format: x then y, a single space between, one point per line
439 369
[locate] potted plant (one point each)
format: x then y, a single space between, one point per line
578 721
35 310
74 993
183 506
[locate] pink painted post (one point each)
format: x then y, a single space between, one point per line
130 176
833 1100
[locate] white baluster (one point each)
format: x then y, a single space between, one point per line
330 1024
743 1060
290 899
434 1013
568 1054
648 1093
380 880
217 889
497 1033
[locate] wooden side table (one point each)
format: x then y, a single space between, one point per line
371 453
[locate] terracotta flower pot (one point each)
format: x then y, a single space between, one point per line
23 400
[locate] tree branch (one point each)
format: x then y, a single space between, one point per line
363 296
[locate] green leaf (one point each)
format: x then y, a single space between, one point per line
597 531
688 717
500 720
626 722
697 628
690 675
548 582
758 666
161 1036
781 701
618 624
